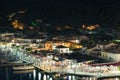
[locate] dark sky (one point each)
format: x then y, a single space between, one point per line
67 11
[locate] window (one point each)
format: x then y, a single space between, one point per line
61 51
83 51
66 50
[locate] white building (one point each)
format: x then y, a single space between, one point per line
111 56
62 49
30 42
6 37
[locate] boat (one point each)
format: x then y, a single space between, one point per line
26 67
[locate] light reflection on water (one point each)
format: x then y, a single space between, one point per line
9 74
39 76
30 76
44 77
34 74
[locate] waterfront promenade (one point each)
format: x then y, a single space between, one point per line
50 66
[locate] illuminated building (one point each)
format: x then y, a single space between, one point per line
50 45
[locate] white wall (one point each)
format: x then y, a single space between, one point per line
63 50
114 56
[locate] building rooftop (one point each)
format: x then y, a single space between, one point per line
61 46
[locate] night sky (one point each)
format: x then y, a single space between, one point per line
66 11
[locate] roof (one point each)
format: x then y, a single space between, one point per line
77 49
110 45
61 46
107 64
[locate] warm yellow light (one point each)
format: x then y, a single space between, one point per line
21 27
15 26
31 27
83 26
91 27
78 46
16 21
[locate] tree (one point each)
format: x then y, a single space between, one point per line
28 49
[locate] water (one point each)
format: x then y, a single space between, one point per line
7 73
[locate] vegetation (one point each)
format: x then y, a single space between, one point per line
28 49
118 68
